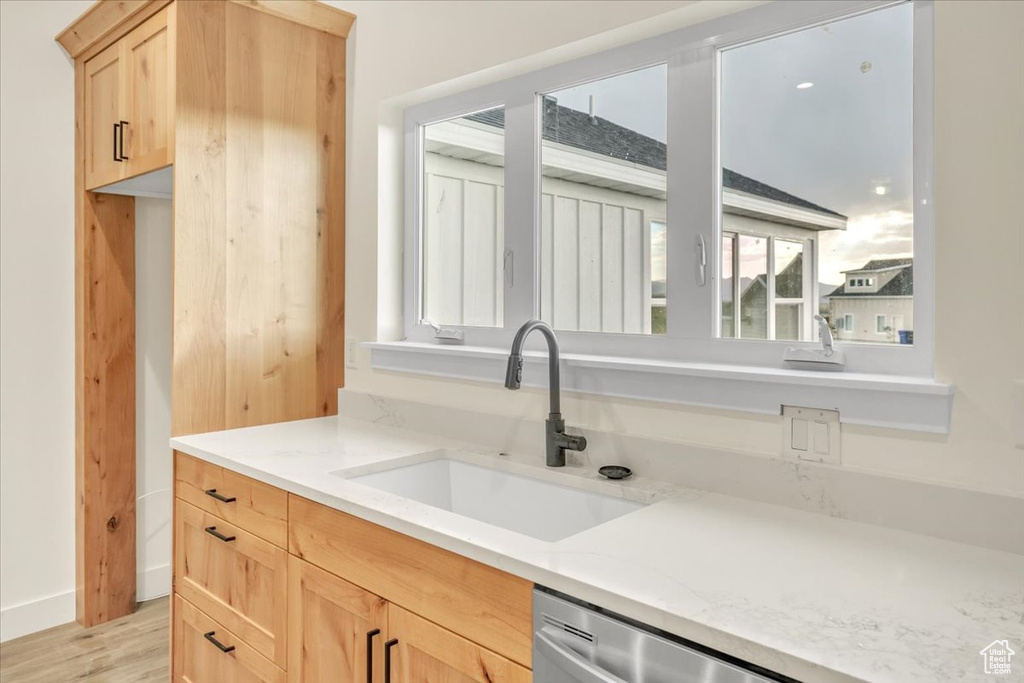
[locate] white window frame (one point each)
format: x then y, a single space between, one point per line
881 322
694 205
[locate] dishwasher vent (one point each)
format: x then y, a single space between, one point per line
568 628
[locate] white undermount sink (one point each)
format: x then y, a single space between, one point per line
544 510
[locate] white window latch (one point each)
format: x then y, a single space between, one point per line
828 354
508 266
702 262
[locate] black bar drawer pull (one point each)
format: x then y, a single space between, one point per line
387 658
124 124
369 653
212 530
213 494
117 130
220 645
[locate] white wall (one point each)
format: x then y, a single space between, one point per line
37 385
980 247
154 472
37 409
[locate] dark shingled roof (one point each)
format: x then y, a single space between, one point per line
901 285
883 263
573 128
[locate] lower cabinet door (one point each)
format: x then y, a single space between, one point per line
336 630
423 652
206 652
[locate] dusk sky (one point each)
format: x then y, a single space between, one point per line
832 144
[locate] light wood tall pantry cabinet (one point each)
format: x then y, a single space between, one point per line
129 104
245 101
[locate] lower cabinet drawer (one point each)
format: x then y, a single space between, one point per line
238 579
206 652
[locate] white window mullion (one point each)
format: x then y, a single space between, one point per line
692 191
522 207
769 280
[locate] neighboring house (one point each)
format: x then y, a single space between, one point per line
875 303
603 219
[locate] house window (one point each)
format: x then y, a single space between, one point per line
880 325
774 169
463 219
548 195
603 205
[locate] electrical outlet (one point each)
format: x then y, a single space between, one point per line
811 434
351 354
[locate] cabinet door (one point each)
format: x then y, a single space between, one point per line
149 81
102 113
206 652
331 625
237 578
425 652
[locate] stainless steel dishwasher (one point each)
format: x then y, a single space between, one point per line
575 643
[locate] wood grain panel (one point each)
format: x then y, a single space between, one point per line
148 63
200 232
311 13
197 660
328 622
427 652
271 217
330 138
105 406
486 605
242 582
103 103
258 508
259 274
103 23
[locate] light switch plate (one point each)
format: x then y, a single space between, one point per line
811 434
351 354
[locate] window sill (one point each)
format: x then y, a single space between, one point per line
910 403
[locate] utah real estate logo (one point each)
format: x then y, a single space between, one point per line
997 657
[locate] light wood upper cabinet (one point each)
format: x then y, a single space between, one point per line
102 116
333 626
423 651
129 93
148 54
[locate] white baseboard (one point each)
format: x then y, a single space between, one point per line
39 615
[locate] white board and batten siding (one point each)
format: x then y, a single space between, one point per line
463 242
595 251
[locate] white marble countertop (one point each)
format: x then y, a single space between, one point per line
808 596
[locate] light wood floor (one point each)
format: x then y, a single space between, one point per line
132 649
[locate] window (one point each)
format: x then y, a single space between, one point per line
463 219
602 227
587 194
880 325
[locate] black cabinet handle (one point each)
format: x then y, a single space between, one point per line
124 124
220 645
387 658
213 494
369 653
212 530
117 130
